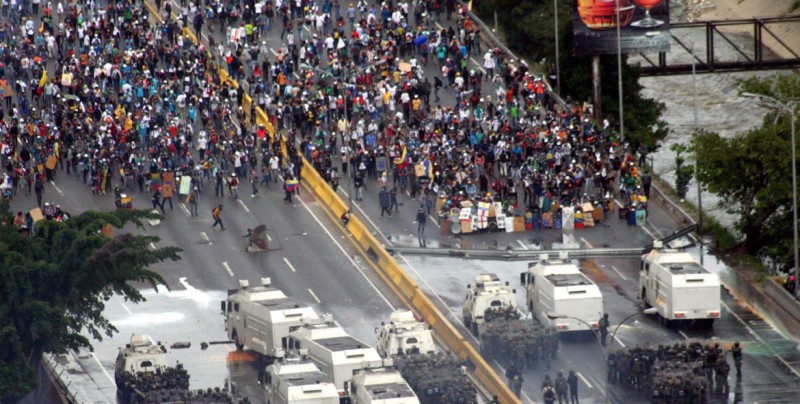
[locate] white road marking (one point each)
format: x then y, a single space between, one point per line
286 260
60 192
660 233
434 221
584 380
314 295
758 337
649 233
587 243
478 65
352 261
153 246
246 209
227 268
205 237
126 308
105 372
185 210
524 247
683 334
619 273
619 341
273 51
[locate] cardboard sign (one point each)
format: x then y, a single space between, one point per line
66 79
186 184
51 163
36 214
419 170
6 91
405 67
168 184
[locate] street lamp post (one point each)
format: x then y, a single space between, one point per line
555 28
553 316
789 108
696 160
619 70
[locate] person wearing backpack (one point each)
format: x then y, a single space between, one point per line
548 394
561 387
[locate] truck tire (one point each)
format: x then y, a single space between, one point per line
467 322
475 329
643 296
235 337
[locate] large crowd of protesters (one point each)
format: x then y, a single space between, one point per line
400 96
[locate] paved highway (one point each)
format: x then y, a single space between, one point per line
310 261
771 361
315 263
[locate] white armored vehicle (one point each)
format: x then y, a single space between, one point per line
382 385
141 355
404 335
298 381
261 317
490 296
678 287
559 286
335 352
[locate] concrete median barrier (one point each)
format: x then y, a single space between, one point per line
383 263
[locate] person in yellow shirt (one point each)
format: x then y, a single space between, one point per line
416 103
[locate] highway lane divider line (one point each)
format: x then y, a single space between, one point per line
619 273
352 261
60 192
205 237
585 381
401 284
126 308
105 372
227 268
289 264
184 209
314 295
376 255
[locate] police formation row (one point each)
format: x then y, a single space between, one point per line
685 373
437 379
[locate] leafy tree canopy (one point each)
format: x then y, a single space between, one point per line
53 287
528 28
751 172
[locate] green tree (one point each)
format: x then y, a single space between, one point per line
683 173
751 172
53 287
528 29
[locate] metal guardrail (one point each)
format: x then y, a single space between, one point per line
521 255
673 207
526 255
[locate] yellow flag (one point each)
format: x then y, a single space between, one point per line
43 80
